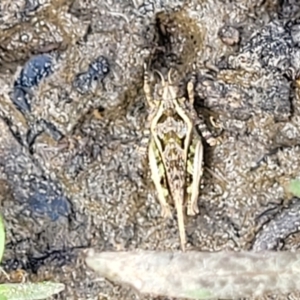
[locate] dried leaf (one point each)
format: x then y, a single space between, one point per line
201 275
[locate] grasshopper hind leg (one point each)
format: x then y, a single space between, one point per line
201 126
157 176
195 169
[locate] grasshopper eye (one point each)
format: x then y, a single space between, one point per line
159 92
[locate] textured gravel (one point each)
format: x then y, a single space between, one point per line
72 119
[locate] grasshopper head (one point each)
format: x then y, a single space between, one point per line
168 92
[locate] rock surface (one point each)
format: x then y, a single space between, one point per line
72 173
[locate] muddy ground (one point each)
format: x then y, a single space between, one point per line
72 117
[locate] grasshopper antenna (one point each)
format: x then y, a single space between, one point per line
161 77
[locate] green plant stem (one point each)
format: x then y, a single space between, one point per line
29 291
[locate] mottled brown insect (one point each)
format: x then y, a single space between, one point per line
175 150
